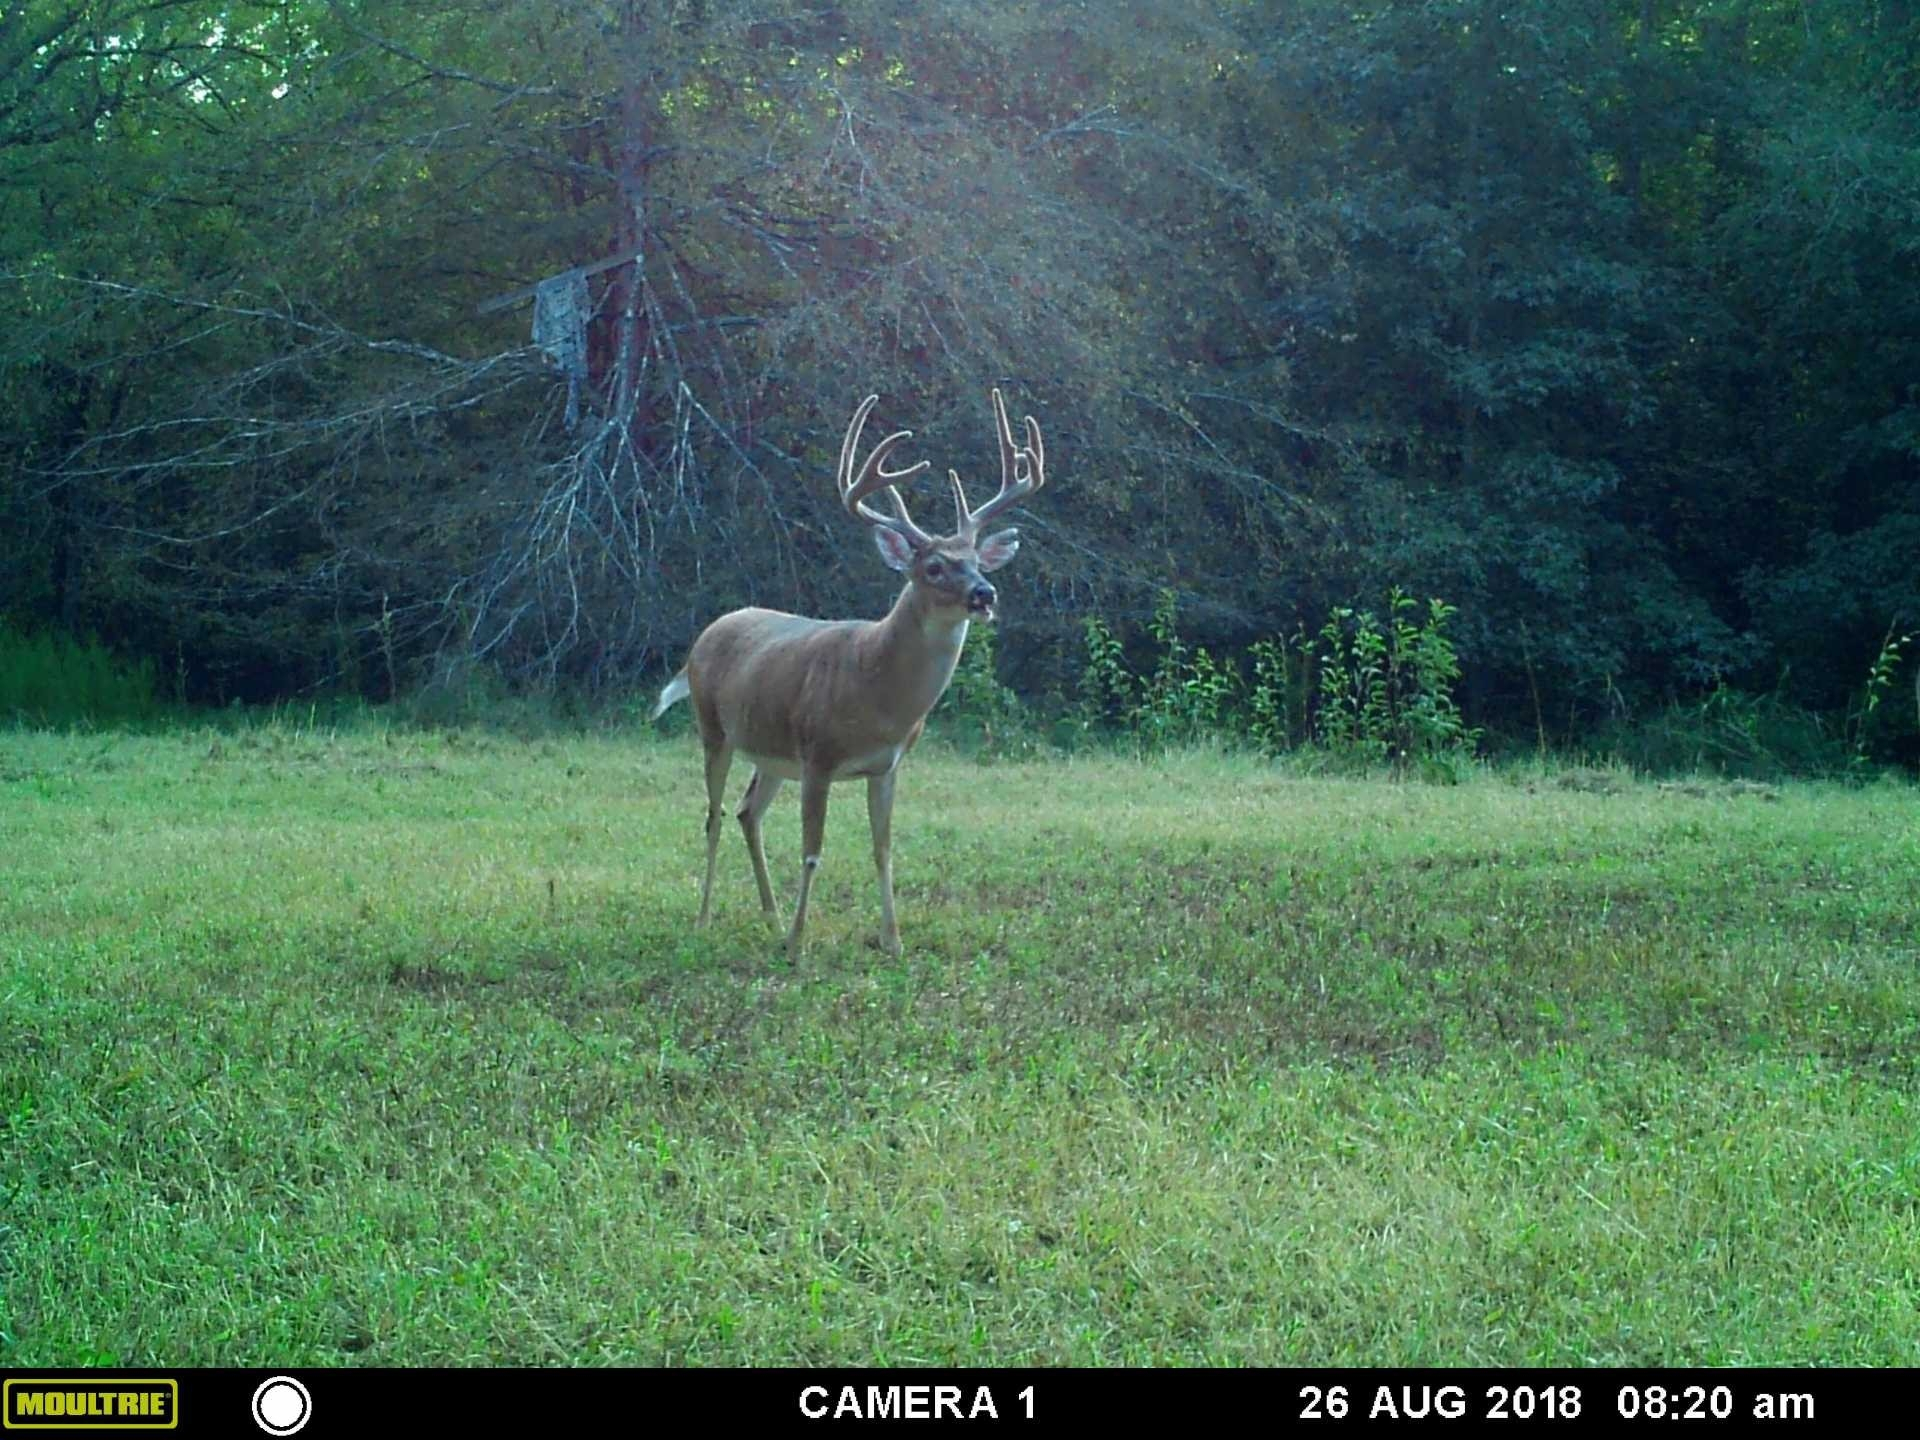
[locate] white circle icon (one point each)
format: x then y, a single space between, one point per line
281 1406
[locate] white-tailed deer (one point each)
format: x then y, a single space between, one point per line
825 700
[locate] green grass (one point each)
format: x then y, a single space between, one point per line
397 1048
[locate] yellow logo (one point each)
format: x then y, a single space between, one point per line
90 1404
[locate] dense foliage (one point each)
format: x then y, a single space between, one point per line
1598 318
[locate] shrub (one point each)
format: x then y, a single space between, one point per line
1189 695
1385 690
1280 695
1862 731
1727 732
55 680
982 711
1358 690
1106 685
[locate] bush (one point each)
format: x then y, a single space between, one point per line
1386 690
1190 695
470 696
1106 685
50 679
1868 730
981 712
1359 690
1729 732
1769 737
1280 695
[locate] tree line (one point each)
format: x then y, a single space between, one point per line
1595 319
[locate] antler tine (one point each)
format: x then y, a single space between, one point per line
843 473
1014 487
900 510
874 476
962 514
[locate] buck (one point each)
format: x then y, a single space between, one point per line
825 700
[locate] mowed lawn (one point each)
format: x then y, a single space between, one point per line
399 1048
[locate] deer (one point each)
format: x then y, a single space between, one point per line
821 701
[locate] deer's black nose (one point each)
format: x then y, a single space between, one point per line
981 596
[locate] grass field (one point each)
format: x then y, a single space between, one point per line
398 1048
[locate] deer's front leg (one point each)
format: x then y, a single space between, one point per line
814 783
880 816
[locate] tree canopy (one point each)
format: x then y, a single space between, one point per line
1595 317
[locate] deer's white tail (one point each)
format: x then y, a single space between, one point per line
675 692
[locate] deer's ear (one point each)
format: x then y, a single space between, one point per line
996 550
895 548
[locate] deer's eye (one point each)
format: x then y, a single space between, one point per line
933 570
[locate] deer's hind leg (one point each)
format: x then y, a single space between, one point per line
719 762
753 805
880 817
814 784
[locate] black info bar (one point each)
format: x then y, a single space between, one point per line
1303 1401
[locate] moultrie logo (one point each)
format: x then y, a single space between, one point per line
90 1403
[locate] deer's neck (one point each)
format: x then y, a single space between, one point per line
916 652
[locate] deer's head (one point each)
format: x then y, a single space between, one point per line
949 571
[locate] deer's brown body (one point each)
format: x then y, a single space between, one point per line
845 696
820 701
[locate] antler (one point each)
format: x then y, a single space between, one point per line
1014 487
854 489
